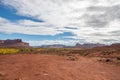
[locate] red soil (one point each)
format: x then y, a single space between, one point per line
53 67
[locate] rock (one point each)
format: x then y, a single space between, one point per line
13 43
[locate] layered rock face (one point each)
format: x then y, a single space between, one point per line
13 43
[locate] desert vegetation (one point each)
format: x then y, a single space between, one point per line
9 51
104 54
109 54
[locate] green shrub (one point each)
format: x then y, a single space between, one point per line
27 50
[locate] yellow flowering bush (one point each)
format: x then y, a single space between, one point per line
8 51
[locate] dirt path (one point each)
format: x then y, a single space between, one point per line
52 67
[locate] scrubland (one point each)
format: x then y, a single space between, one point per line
100 63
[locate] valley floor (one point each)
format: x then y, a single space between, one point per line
54 67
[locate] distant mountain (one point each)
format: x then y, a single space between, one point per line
53 46
89 45
13 43
116 44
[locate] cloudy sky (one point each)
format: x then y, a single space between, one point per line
60 21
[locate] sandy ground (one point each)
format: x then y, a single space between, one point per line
53 67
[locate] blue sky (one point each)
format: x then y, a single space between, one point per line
10 14
67 22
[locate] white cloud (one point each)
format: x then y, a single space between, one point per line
92 25
26 27
51 42
108 2
55 12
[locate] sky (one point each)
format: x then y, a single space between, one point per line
44 22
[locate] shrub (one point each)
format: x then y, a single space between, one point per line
107 60
118 58
1 77
107 52
8 51
71 57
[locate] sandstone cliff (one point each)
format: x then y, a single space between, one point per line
13 43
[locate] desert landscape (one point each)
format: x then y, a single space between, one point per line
30 63
59 39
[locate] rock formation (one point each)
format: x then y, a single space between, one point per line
89 45
13 43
